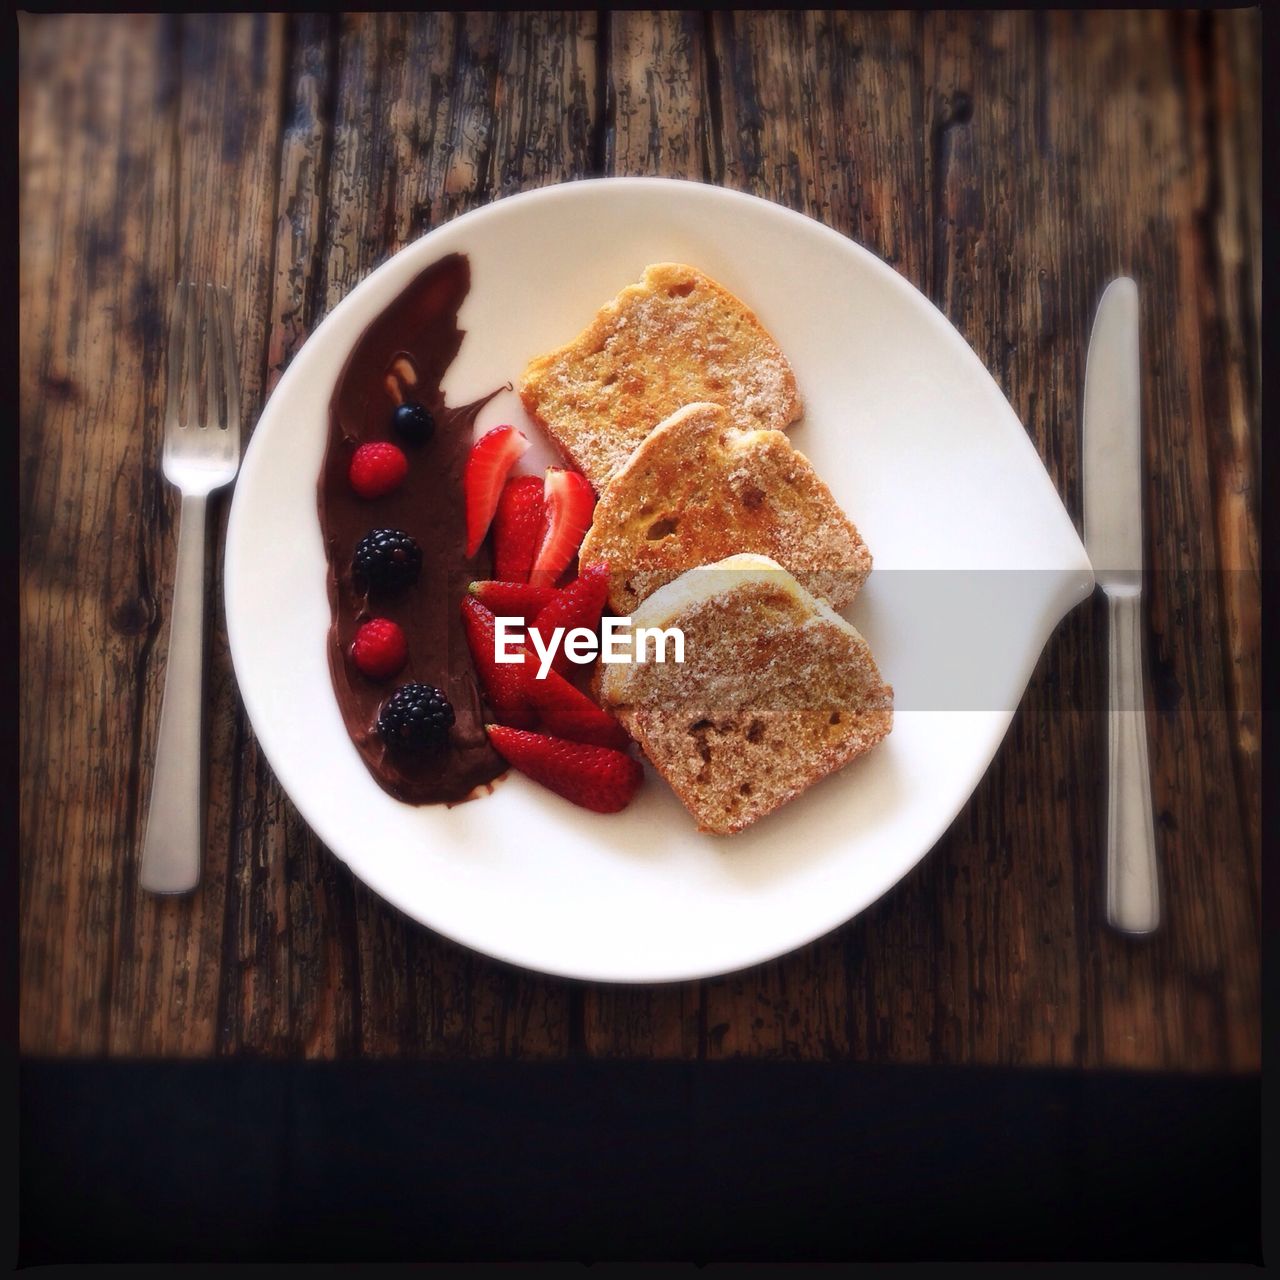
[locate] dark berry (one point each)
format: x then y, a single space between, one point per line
388 560
413 422
415 717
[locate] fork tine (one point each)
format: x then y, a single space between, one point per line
212 374
177 336
191 400
231 379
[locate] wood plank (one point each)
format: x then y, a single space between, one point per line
417 111
304 174
97 200
178 958
359 207
1232 121
1003 914
1134 187
1014 890
547 100
659 123
546 124
997 946
1220 282
814 117
290 892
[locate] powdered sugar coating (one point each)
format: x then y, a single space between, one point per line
674 338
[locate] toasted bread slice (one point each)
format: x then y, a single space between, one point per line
699 489
674 338
776 691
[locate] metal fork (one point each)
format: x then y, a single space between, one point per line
201 454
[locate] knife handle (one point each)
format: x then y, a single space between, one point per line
1133 889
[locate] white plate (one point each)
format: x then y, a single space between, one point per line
915 440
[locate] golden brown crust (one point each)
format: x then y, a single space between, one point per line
672 339
775 693
699 489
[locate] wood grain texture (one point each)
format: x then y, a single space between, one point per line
98 221
1233 265
1006 164
228 115
822 170
658 122
297 997
414 103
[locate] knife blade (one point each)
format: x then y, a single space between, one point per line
1112 447
1113 437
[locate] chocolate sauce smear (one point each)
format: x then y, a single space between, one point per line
403 356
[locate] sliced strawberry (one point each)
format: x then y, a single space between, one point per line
491 457
596 778
570 501
512 599
519 698
579 604
518 526
567 713
504 683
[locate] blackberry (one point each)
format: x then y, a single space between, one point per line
413 422
415 717
387 560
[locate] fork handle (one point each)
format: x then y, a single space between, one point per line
174 842
1133 887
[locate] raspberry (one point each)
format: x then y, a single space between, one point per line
377 470
387 560
379 649
415 717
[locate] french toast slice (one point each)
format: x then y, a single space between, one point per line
675 337
698 489
776 691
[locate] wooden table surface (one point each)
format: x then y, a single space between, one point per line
1008 165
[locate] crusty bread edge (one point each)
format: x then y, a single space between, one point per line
667 603
605 314
669 426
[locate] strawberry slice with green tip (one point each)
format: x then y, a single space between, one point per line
519 698
513 599
578 604
596 778
518 526
504 684
568 713
570 500
490 459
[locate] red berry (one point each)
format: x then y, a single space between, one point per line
491 457
597 778
578 604
377 470
570 501
518 526
379 649
503 683
568 713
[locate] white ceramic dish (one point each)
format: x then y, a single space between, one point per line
915 440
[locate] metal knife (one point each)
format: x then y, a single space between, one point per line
1113 538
